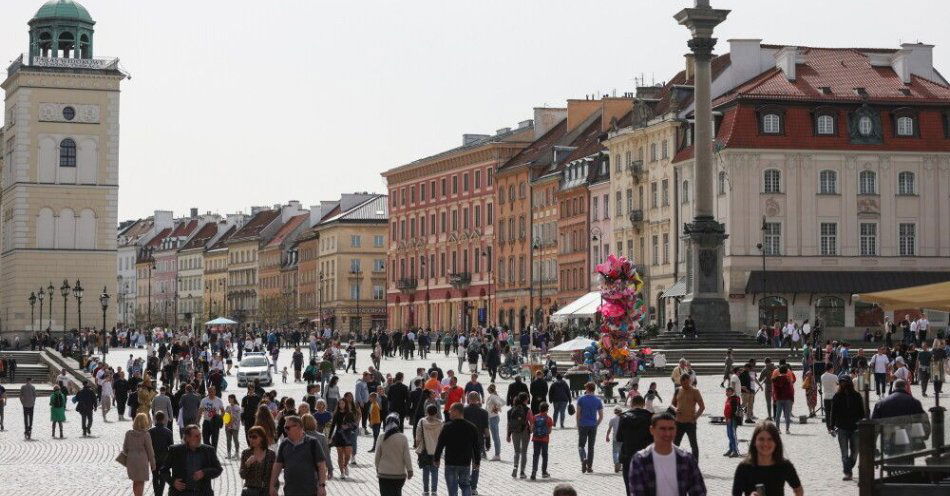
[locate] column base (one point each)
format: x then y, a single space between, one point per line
709 313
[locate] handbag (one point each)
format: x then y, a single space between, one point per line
571 410
425 459
122 458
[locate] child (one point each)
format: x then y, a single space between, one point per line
232 428
733 417
612 426
652 394
283 375
375 417
541 436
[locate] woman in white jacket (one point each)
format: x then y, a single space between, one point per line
427 437
393 462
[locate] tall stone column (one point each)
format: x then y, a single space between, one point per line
705 237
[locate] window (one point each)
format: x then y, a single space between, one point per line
666 248
67 153
867 182
629 249
422 192
465 182
652 152
905 126
656 250
444 192
905 183
489 177
829 239
654 196
455 220
771 124
865 126
355 240
825 125
772 239
354 291
722 182
478 216
523 190
379 265
772 181
666 151
868 239
489 217
455 185
412 194
606 207
830 310
666 192
685 191
594 209
478 179
432 189
378 292
907 239
511 192
629 200
355 266
827 182
619 197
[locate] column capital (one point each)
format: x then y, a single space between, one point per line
702 47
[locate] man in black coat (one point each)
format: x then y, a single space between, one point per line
514 389
182 476
539 391
86 403
161 441
633 434
559 395
399 398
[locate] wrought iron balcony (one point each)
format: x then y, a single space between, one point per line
636 216
460 280
635 167
407 285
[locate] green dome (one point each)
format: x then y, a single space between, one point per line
63 10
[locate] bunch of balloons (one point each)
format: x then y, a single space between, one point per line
622 308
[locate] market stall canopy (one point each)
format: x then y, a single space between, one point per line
929 296
578 343
220 321
583 307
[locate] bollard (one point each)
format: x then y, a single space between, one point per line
866 431
937 426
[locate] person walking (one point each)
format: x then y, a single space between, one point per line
633 434
342 431
539 391
301 460
232 413
121 388
474 413
733 419
393 463
590 412
211 410
494 404
162 403
139 454
879 363
398 394
662 467
765 466
829 387
559 395
783 394
689 406
28 400
257 462
728 370
190 466
161 438
361 397
542 425
57 410
86 403
310 429
765 379
847 408
427 438
519 433
459 441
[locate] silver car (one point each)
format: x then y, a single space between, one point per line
255 366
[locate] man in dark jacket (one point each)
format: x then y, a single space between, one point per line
493 360
908 409
190 466
633 434
249 408
86 403
161 441
120 387
847 408
459 440
516 388
559 395
399 398
539 391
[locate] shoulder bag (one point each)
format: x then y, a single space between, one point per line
122 458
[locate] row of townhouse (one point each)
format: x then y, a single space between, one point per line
832 178
279 265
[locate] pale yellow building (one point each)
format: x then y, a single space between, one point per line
60 170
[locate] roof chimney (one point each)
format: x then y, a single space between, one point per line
468 139
915 59
649 92
524 124
503 130
689 65
785 59
194 212
546 118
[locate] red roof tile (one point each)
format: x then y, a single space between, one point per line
185 228
539 147
202 236
257 224
157 240
286 229
222 242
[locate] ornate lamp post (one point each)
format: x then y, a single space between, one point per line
49 291
425 266
705 301
77 293
64 290
487 254
104 301
32 299
41 295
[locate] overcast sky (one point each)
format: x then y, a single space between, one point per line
239 103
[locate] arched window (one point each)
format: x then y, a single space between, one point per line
511 192
867 182
827 182
772 181
825 125
772 309
830 309
722 182
865 126
771 124
685 191
905 183
905 126
67 153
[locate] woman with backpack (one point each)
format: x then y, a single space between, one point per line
57 407
519 432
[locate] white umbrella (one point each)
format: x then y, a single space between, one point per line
220 321
578 343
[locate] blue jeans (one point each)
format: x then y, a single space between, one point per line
615 448
783 406
848 442
560 408
456 477
731 434
540 450
586 435
495 435
430 477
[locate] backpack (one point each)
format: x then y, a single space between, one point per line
541 428
58 401
517 419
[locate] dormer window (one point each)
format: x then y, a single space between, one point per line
826 125
905 126
825 120
905 122
771 124
865 126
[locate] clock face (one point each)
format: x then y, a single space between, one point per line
69 113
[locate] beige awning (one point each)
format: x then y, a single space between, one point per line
929 296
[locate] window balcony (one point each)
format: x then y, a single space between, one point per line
636 216
460 280
407 285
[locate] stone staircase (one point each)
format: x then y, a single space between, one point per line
711 339
28 364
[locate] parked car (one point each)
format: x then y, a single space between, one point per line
254 366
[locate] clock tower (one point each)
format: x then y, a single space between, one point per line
59 171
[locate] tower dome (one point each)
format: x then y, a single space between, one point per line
61 29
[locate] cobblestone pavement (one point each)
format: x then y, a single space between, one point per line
86 466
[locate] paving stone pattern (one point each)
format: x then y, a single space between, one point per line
78 466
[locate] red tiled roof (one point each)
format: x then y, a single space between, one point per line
157 240
222 242
257 224
588 142
185 228
538 148
286 229
202 236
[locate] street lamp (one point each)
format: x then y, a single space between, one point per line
41 295
425 266
65 290
358 274
320 300
487 254
49 291
104 301
762 249
32 299
77 292
538 317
